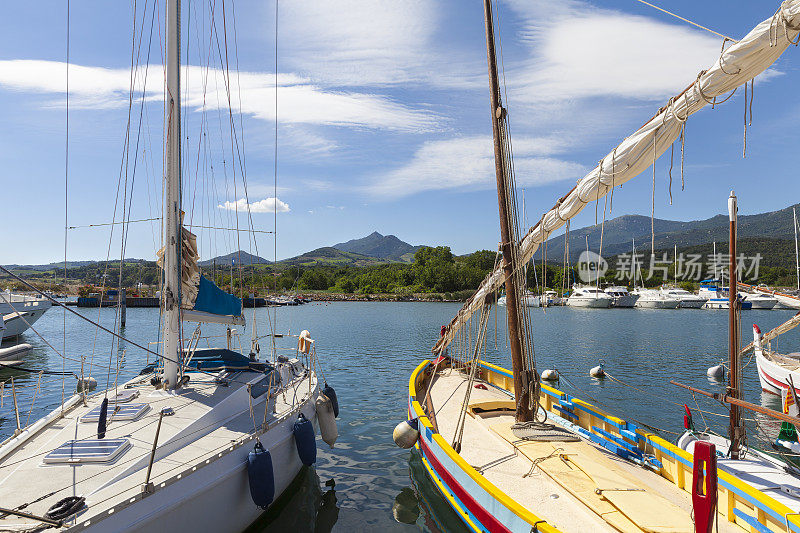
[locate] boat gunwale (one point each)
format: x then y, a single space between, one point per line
494 491
759 500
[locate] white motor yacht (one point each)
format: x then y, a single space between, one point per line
653 299
551 298
688 300
529 299
759 301
620 296
20 311
589 297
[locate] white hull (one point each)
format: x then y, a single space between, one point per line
595 303
775 376
759 303
692 304
16 323
200 479
657 304
532 301
215 497
625 301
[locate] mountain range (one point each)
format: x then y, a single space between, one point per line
619 232
775 228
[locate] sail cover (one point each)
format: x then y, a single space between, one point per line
201 299
737 65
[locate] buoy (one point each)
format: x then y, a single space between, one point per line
597 372
326 419
406 433
305 440
331 394
550 375
716 372
87 384
261 476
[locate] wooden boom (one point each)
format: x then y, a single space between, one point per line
741 403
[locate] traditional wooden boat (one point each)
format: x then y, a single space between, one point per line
510 453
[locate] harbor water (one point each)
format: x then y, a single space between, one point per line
368 350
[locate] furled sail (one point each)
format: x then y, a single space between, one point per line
737 65
201 299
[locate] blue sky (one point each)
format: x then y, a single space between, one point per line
383 118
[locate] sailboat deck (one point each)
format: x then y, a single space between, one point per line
209 418
561 487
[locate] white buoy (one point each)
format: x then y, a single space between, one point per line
716 372
87 384
550 375
406 433
326 419
597 372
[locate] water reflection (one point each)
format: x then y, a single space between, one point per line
436 514
303 507
406 508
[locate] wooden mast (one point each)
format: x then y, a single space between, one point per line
735 419
521 390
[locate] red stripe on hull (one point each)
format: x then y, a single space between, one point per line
775 383
484 517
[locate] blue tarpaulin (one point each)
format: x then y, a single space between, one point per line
212 299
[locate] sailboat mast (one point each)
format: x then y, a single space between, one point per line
172 205
736 428
796 254
521 393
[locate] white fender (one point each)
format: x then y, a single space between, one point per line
550 375
406 434
327 422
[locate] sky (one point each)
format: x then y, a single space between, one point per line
383 119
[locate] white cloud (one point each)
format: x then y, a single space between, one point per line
580 52
299 100
373 42
468 163
267 205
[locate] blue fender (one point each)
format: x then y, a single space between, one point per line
261 476
331 394
305 439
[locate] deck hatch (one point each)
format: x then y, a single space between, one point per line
124 396
131 411
88 451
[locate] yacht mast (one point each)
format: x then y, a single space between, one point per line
172 205
736 428
504 199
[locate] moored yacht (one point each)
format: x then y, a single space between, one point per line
687 299
620 296
759 301
20 311
589 297
653 299
551 298
717 297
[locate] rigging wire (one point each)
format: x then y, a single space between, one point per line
687 21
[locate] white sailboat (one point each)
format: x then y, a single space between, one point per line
203 440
